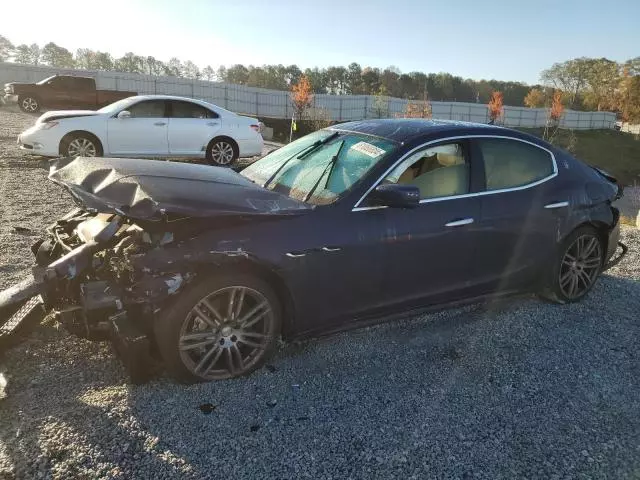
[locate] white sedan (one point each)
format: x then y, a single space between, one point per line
146 126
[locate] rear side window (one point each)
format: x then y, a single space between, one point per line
190 110
511 164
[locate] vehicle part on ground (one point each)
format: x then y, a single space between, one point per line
19 319
222 153
29 104
220 327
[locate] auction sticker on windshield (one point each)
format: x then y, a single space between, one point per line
368 149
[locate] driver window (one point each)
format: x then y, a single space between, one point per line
440 171
148 109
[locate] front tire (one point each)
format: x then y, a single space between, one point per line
222 153
220 327
29 104
577 266
80 145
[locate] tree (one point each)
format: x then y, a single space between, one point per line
153 66
354 78
495 107
6 49
535 98
22 54
603 77
174 68
380 104
570 76
301 96
191 70
208 73
57 56
130 62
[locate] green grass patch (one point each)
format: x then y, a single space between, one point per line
616 152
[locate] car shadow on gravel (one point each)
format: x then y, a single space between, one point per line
517 388
21 163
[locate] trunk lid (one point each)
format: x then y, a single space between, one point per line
150 189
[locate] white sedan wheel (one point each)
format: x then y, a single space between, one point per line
222 153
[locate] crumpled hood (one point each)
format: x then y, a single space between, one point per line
58 114
148 189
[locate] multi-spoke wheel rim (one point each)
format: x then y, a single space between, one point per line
222 153
226 333
580 266
29 104
81 147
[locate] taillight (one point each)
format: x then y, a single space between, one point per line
255 127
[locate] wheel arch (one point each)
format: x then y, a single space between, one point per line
73 133
267 273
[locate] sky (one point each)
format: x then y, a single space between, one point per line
479 39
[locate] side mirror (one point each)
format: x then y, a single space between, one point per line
124 114
397 196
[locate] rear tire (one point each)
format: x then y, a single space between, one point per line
222 153
576 268
221 327
29 103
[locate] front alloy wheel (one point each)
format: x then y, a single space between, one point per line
29 104
81 147
219 328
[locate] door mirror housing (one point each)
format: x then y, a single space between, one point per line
124 114
396 196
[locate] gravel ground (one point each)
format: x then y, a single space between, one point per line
518 389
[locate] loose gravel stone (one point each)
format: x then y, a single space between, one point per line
517 389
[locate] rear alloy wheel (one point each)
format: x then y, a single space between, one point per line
220 328
222 153
29 104
580 263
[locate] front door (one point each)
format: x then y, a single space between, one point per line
143 133
429 249
191 127
56 93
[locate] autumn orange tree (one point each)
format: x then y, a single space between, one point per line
556 111
535 98
496 108
301 96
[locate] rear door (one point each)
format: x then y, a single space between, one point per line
144 133
191 127
519 216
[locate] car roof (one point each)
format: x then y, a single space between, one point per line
403 130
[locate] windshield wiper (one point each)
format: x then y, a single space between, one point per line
329 167
303 153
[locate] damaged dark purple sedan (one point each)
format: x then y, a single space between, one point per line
203 269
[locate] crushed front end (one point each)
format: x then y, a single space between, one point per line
90 273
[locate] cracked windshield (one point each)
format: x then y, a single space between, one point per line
343 240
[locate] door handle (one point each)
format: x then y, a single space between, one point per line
213 124
551 206
331 249
295 255
160 124
459 223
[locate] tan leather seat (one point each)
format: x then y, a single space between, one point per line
443 182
